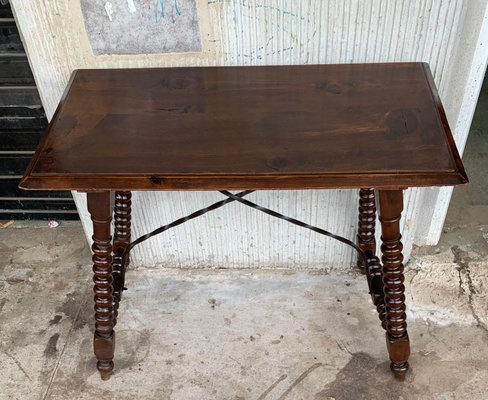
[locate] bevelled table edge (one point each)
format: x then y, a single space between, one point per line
243 182
45 135
441 114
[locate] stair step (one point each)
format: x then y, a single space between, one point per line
33 123
19 140
59 215
9 188
37 204
5 11
14 164
22 112
15 96
15 70
9 37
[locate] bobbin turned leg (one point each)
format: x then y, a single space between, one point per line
366 224
391 206
367 242
122 230
100 208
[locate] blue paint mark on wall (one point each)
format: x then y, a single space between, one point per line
161 10
257 6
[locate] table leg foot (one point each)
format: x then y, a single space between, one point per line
391 206
104 375
104 350
100 208
399 350
399 370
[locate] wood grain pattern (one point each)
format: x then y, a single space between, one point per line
256 127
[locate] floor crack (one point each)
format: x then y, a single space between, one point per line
17 362
268 391
299 379
462 260
46 393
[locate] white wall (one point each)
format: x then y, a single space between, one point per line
450 35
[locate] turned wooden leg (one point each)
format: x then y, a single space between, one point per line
366 224
391 206
367 242
122 228
100 208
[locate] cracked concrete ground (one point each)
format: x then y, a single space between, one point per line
230 334
460 259
258 335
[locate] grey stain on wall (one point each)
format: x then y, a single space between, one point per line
141 26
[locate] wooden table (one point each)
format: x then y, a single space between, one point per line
377 127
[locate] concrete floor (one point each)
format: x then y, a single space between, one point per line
233 335
258 335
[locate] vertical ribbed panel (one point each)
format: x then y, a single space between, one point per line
255 32
238 236
278 32
336 31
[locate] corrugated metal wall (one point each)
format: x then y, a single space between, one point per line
250 32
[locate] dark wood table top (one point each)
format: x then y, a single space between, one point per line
280 127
